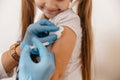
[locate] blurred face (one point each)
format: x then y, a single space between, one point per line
51 8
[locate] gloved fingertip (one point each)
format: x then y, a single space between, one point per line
53 28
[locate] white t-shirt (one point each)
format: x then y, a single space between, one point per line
70 19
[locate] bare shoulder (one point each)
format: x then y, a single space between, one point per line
66 43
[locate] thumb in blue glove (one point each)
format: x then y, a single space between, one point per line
29 70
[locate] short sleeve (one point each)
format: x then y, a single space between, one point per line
70 19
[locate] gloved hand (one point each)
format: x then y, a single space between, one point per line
41 31
28 70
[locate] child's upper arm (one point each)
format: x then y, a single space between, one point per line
63 48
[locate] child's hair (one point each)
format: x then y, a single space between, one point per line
28 13
84 11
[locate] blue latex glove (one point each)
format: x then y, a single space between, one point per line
28 70
41 31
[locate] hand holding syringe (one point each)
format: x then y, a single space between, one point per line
45 31
35 30
57 33
34 51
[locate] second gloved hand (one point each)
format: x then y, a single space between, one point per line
39 30
29 70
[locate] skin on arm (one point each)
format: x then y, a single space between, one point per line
8 62
62 50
